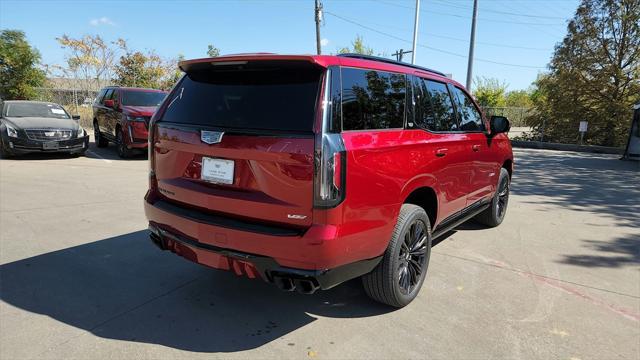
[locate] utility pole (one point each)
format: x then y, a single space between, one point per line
400 53
415 33
472 44
318 12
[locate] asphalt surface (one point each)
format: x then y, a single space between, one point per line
560 278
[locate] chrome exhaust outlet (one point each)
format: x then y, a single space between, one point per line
305 286
284 284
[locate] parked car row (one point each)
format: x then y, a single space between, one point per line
305 171
120 115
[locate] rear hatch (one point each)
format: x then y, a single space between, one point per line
236 139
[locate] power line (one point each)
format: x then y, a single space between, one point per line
428 47
463 40
443 3
466 17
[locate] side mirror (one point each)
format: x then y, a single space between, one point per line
499 124
75 117
108 103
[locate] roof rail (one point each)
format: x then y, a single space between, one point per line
389 61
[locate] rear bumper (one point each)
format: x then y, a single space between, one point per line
252 266
307 260
20 146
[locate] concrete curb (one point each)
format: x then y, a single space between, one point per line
566 147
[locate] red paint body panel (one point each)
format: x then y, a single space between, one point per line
274 178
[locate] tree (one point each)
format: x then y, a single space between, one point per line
19 73
142 70
518 98
174 73
358 47
213 51
90 59
489 92
594 75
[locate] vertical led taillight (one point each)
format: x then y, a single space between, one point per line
157 115
330 155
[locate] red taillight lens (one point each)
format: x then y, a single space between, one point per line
337 170
329 179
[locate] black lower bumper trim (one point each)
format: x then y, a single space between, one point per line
268 268
224 221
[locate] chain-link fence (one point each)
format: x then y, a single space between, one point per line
76 102
517 115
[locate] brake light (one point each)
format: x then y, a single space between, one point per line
157 115
329 179
337 170
330 156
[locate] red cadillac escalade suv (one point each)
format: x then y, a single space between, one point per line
121 115
307 171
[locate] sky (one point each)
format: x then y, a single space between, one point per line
514 38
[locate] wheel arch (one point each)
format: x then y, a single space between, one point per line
508 164
426 198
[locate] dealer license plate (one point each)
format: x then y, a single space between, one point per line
217 170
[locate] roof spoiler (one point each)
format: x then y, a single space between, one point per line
243 59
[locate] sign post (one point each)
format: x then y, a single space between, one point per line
583 129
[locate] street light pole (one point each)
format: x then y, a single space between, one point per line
472 44
318 16
415 33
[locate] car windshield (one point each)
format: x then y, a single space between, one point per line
35 110
142 98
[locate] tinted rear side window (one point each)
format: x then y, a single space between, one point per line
434 108
372 99
107 95
264 99
470 118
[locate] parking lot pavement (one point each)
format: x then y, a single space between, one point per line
560 278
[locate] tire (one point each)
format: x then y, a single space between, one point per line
398 277
4 153
123 152
79 154
99 139
494 215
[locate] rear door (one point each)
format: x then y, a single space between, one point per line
434 112
102 111
483 162
112 115
238 140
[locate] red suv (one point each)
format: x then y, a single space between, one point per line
307 171
121 115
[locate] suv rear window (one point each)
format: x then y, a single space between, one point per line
274 98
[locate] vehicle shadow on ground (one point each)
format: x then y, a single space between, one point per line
40 156
598 184
110 153
125 288
582 182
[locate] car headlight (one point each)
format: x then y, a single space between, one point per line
11 131
135 118
81 132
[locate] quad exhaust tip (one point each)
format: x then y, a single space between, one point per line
284 283
303 286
